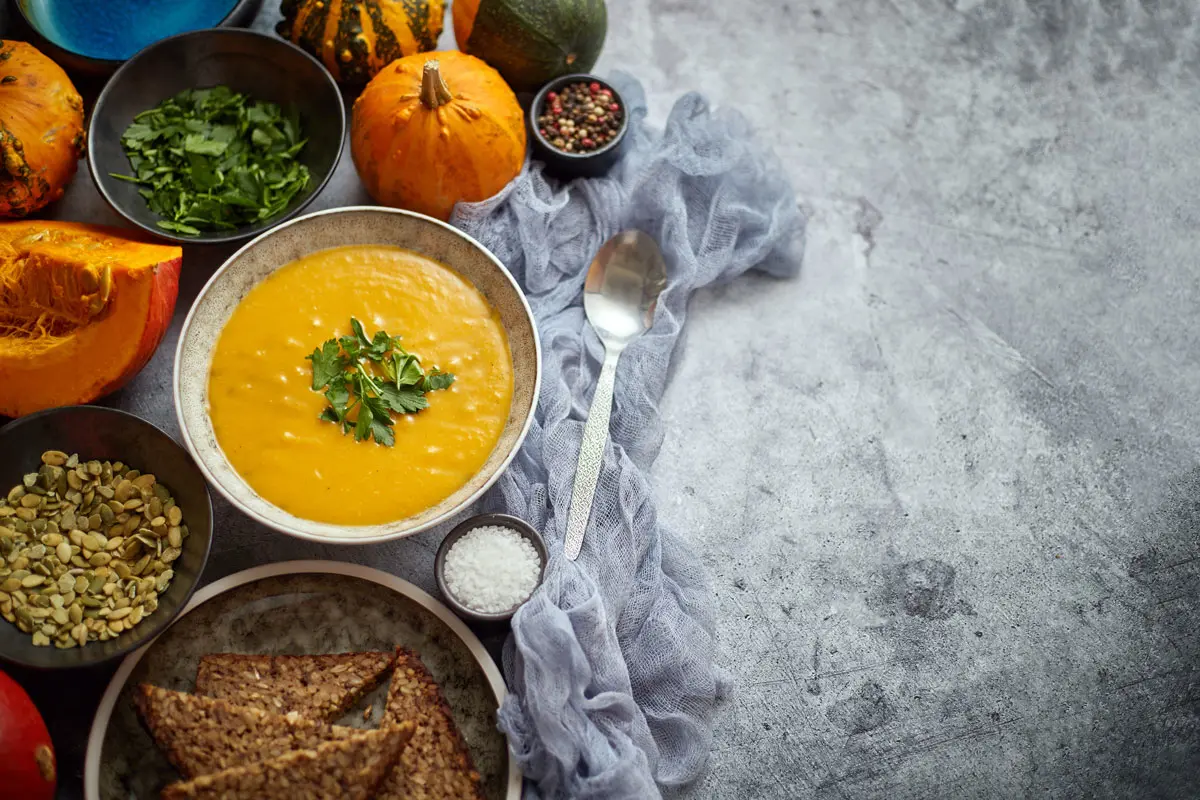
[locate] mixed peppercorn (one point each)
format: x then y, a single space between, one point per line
580 117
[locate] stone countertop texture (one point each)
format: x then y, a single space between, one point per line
951 499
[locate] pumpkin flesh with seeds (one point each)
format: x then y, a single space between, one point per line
435 129
357 38
82 309
41 129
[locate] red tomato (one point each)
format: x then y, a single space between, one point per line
27 770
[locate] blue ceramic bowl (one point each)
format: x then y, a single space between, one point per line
94 37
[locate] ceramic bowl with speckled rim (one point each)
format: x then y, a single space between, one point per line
361 225
301 608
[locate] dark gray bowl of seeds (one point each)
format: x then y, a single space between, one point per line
577 126
105 526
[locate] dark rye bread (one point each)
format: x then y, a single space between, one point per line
436 764
201 735
320 687
350 769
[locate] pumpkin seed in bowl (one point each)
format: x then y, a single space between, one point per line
86 548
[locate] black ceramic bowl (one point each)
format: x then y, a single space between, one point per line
265 67
575 165
41 16
109 435
465 527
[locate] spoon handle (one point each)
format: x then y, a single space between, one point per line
591 455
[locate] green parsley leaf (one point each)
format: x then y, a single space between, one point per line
379 410
137 132
198 144
437 380
178 227
383 434
374 375
363 428
378 347
338 396
408 369
327 364
357 327
403 400
352 347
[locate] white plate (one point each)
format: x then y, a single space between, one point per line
311 608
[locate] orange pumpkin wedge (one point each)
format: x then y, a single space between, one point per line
82 309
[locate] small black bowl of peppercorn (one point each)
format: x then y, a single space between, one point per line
578 125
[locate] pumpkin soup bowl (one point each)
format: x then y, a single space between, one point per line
364 227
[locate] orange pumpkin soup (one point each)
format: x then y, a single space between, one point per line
266 415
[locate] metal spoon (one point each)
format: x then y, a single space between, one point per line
620 295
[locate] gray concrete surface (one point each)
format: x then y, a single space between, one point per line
951 504
955 539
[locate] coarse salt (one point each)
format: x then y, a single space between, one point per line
491 569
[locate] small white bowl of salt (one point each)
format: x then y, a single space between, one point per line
489 565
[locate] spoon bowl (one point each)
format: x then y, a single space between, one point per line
619 296
622 288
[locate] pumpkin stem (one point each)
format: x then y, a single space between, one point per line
434 91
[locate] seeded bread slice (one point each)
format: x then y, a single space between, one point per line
320 687
349 769
201 735
436 764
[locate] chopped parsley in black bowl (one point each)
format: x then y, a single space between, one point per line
215 135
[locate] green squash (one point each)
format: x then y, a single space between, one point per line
530 42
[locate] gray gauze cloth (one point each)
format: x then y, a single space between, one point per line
610 664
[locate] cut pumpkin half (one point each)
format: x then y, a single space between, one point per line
82 309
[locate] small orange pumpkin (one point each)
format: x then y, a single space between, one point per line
434 129
41 129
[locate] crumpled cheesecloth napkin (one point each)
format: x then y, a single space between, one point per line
610 664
